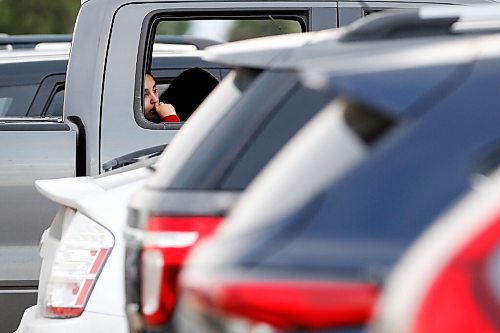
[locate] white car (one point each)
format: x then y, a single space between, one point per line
81 279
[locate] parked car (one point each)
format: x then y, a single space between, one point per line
452 270
83 253
199 180
311 240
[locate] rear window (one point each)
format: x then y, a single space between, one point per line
16 100
333 142
285 120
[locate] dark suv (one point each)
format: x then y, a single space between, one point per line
410 129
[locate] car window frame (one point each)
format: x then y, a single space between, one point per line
148 31
48 87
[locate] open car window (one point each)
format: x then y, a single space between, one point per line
186 37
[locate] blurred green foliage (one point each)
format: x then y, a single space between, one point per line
38 16
175 28
228 30
257 28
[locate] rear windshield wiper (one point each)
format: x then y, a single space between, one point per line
133 157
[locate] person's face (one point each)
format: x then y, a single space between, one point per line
150 99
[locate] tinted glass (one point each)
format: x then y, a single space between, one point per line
15 101
209 164
321 152
296 110
55 108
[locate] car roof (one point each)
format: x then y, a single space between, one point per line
413 65
386 28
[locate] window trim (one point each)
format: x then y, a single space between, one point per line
58 88
150 22
45 94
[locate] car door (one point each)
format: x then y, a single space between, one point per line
133 28
31 149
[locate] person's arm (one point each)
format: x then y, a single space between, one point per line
173 118
166 112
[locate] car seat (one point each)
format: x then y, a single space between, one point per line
188 90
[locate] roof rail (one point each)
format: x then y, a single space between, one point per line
392 24
199 43
438 20
31 41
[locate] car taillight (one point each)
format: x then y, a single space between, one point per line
80 257
165 246
464 295
287 304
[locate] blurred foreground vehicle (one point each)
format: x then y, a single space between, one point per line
310 242
449 281
80 286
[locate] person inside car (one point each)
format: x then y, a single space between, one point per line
154 110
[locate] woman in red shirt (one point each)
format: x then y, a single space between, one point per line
154 110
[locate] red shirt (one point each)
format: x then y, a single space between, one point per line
171 119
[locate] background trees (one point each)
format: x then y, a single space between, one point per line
38 16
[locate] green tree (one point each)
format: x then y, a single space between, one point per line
38 16
175 28
245 29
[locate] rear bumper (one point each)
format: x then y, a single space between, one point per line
87 322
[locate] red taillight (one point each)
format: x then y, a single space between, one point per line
461 298
290 304
167 242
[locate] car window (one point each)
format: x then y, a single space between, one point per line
15 100
55 107
195 32
229 30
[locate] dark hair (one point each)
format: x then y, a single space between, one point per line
188 90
